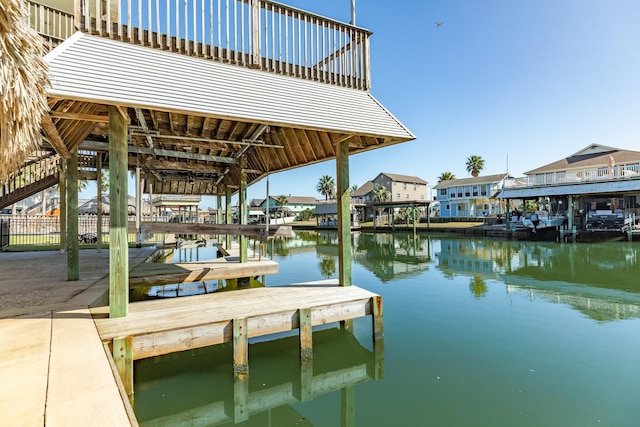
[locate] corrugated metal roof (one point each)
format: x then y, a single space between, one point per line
96 69
573 189
470 181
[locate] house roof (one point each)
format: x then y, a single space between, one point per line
365 189
403 178
591 156
300 200
195 118
487 179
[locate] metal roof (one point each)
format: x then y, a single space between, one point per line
589 157
96 69
489 179
571 189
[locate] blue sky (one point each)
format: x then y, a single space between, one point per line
531 80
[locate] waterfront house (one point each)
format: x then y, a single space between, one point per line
403 188
597 188
294 206
470 197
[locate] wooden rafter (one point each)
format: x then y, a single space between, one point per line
54 137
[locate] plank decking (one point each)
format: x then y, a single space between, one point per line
164 326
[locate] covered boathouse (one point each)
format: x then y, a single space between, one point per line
596 190
204 97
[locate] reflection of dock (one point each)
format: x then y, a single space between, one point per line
272 386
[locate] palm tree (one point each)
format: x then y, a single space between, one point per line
475 164
353 188
446 176
327 187
280 202
380 194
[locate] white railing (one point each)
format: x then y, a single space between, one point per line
600 174
53 25
255 33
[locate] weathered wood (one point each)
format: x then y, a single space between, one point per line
344 213
159 273
54 136
228 214
118 245
306 335
242 207
226 229
240 399
99 204
348 407
164 326
306 380
73 254
240 347
122 356
63 206
78 116
378 324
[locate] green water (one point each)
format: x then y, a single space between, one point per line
477 332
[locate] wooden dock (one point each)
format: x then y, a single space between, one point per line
165 326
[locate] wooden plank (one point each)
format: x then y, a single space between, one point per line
118 245
241 399
165 342
122 356
79 116
151 273
224 229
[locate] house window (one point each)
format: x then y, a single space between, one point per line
443 191
422 196
447 207
407 196
405 186
398 196
415 186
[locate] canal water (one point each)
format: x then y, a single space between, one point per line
477 332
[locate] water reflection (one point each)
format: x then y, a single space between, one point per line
197 387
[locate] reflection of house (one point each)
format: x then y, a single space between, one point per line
295 204
592 187
470 197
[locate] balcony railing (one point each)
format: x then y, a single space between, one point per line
601 174
258 34
53 25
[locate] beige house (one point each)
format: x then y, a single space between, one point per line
403 188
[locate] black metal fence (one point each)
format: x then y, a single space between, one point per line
45 230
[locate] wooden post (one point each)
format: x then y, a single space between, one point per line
348 407
73 254
344 213
123 358
570 217
376 313
118 247
138 207
240 348
228 214
99 204
306 381
255 30
240 399
63 206
242 207
306 333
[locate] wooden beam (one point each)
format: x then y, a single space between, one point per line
79 116
103 146
240 348
223 229
228 214
99 205
123 358
54 137
344 213
73 254
63 206
242 207
118 246
306 332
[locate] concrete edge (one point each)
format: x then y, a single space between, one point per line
123 393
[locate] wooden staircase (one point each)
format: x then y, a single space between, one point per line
35 176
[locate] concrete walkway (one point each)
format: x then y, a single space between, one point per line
53 366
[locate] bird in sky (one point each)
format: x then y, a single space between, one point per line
439 24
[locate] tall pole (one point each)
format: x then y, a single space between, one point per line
344 213
353 12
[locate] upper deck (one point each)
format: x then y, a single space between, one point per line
258 34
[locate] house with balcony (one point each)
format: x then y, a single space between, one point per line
470 197
294 206
596 188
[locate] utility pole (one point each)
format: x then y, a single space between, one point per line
353 12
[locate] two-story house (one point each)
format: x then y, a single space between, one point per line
470 197
403 187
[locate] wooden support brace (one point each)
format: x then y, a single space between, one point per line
52 132
348 407
306 332
123 358
240 348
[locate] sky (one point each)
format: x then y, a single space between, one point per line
520 83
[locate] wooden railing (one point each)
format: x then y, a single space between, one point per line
53 25
600 174
34 176
255 33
